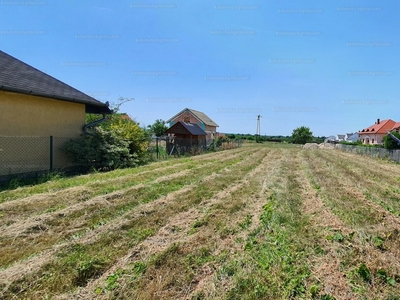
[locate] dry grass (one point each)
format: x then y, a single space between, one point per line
257 222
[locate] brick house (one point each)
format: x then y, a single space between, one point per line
196 117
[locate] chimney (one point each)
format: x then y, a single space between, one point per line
378 121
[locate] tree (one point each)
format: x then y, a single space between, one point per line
390 143
158 127
302 135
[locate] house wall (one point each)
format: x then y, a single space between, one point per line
211 128
26 124
378 138
25 115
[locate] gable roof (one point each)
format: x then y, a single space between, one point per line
199 115
396 126
190 128
19 77
379 127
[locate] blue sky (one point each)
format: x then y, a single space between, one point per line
332 66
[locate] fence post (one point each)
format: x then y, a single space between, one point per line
157 146
51 153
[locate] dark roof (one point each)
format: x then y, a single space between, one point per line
199 115
186 128
19 77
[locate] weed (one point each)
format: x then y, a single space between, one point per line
247 222
383 275
364 273
88 269
111 281
327 297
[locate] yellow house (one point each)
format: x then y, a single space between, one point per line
33 108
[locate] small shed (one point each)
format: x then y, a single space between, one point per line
184 137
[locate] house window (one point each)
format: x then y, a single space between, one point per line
187 120
372 141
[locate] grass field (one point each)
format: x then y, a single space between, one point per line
257 222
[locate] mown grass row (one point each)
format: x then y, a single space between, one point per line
368 253
183 263
344 200
56 202
275 261
372 179
55 229
272 262
92 186
78 263
69 182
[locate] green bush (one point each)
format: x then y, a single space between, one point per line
302 135
104 150
390 143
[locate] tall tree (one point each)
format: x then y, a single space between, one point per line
158 127
302 135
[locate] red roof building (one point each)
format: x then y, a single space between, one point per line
374 134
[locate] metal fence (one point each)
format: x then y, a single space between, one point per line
382 153
23 155
175 147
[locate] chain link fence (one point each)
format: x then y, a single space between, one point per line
393 155
165 147
24 155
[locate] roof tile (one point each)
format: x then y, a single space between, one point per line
19 77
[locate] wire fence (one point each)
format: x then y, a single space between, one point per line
382 153
24 155
165 147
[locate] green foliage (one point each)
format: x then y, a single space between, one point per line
88 269
314 290
382 274
364 273
16 182
390 143
327 297
302 135
158 127
105 151
117 142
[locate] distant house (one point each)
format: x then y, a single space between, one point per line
374 134
340 137
184 137
196 117
351 137
34 104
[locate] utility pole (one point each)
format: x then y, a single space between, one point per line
258 129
